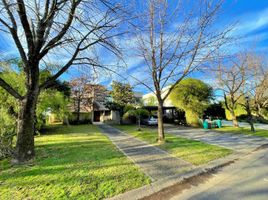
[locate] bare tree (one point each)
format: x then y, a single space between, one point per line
257 88
81 95
231 78
174 43
66 31
243 80
261 95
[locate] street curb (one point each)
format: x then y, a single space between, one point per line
163 184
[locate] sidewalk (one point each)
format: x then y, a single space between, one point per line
154 162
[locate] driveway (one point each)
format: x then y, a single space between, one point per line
246 179
244 124
237 142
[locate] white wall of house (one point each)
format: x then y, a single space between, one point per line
147 98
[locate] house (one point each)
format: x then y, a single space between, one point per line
171 113
150 99
88 105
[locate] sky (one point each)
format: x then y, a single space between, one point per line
251 25
250 19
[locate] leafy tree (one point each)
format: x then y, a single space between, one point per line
61 86
51 100
151 101
193 96
216 110
122 96
138 113
7 132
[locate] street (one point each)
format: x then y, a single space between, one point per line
245 179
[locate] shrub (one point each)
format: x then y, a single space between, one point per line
193 96
7 133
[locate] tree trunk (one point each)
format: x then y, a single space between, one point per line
252 128
139 122
235 122
26 127
250 118
78 110
161 134
66 121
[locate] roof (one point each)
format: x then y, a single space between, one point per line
99 106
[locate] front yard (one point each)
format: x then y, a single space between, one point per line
75 162
193 151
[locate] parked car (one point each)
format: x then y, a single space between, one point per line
150 121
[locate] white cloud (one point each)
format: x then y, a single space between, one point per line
250 22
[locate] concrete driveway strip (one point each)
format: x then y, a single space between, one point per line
246 179
155 162
237 142
245 124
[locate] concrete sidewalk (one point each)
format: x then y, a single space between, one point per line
237 142
155 162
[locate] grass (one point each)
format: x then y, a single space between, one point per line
244 130
76 162
193 151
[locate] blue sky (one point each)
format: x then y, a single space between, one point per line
251 19
251 26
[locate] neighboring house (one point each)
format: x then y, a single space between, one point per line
169 110
90 105
138 97
150 99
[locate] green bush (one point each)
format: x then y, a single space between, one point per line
192 118
85 118
7 133
193 96
136 113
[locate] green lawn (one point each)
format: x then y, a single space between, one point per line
75 162
244 130
193 151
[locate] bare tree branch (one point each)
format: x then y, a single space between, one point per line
9 89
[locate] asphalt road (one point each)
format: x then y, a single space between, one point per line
245 179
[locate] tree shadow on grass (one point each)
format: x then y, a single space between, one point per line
86 163
64 129
74 186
